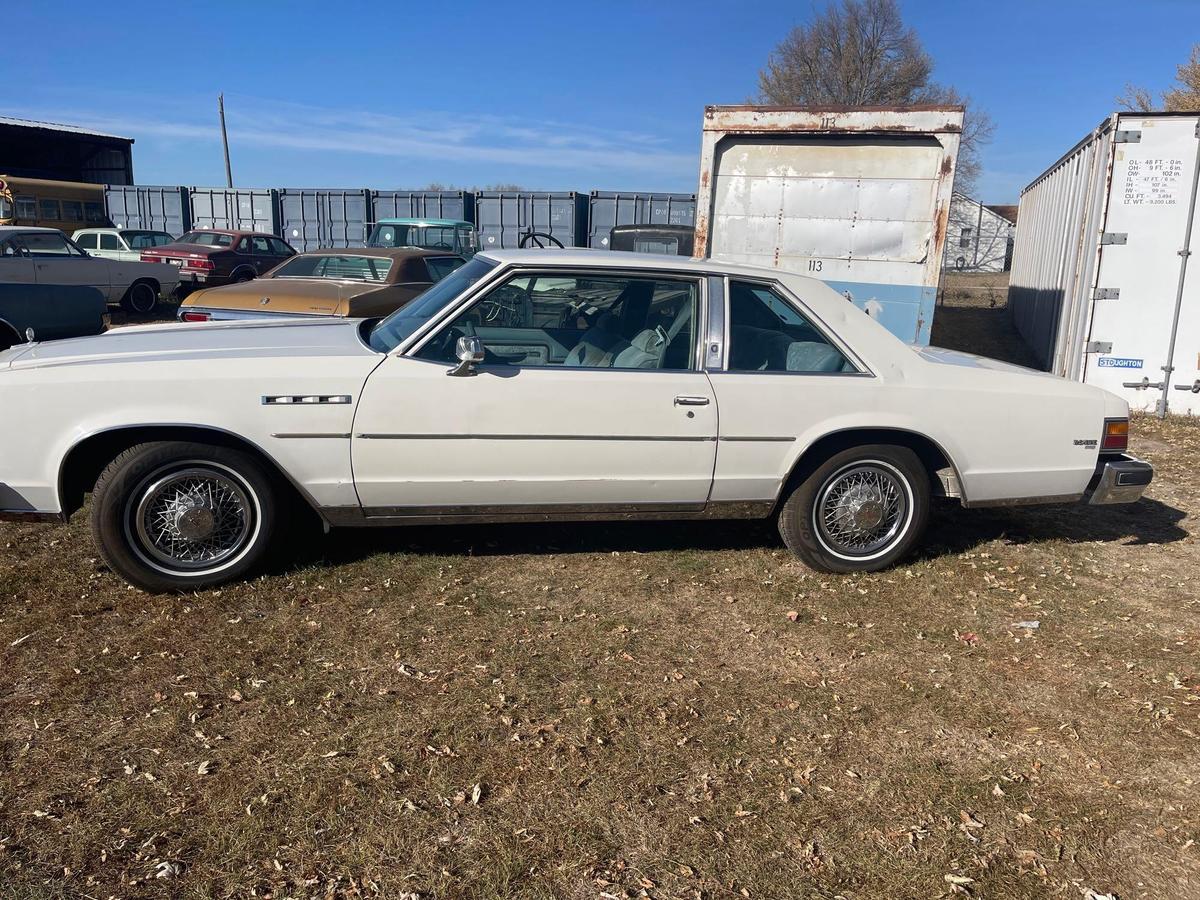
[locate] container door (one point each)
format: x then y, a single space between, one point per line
1133 307
858 212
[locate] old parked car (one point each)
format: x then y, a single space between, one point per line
125 244
358 283
542 386
447 235
210 256
49 312
47 256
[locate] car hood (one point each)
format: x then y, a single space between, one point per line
318 337
310 296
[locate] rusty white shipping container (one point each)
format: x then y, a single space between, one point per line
856 197
1101 286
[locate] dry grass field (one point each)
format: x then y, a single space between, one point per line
677 710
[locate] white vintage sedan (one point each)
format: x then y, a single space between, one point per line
541 386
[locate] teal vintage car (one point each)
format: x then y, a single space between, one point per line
451 235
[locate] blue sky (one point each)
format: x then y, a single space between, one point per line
554 96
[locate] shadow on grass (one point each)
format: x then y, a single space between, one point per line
952 530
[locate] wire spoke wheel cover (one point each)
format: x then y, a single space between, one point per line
192 517
863 509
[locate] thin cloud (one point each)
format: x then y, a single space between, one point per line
432 135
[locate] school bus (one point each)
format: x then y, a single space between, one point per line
66 205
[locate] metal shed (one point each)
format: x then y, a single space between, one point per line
1101 287
858 197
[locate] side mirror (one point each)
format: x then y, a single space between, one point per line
469 351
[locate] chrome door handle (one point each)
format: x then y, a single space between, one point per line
691 401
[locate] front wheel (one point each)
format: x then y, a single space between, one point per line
181 516
860 511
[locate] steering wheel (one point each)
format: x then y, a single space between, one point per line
539 239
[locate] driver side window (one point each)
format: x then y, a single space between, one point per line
580 321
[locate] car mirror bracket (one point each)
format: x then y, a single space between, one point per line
469 350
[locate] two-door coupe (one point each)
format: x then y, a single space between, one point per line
358 283
539 386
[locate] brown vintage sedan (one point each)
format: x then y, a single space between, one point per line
212 256
355 283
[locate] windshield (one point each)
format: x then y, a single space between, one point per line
431 237
140 240
207 238
388 334
340 268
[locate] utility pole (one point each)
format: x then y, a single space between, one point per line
225 140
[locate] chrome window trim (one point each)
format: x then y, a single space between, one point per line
819 324
700 279
712 352
636 438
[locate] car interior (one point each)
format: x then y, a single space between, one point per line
586 321
593 321
767 334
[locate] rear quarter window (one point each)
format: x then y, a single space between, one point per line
441 266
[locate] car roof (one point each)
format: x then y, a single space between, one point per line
621 259
389 252
19 229
421 221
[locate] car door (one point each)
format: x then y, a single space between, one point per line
16 265
58 261
589 401
782 379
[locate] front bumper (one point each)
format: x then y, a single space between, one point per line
1119 479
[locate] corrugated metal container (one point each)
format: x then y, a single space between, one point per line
422 204
151 207
609 208
856 197
311 218
501 217
1101 288
252 210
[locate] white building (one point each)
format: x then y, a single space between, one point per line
979 237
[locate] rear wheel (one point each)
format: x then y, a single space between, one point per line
860 511
140 299
180 516
242 277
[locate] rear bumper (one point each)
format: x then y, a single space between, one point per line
1119 479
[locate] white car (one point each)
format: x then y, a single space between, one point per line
124 244
47 256
542 386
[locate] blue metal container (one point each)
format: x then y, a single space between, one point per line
609 208
235 208
502 217
311 218
151 207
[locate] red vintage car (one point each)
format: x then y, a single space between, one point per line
208 257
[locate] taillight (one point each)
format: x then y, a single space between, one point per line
1116 435
146 257
194 316
199 264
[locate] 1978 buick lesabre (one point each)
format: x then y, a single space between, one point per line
535 386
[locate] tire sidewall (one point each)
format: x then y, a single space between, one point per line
114 494
797 515
132 307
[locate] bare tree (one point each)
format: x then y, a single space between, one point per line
1184 97
860 53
